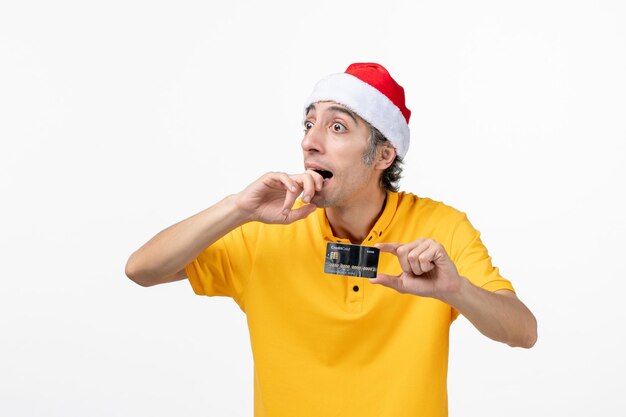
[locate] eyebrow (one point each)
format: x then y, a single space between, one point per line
336 109
345 111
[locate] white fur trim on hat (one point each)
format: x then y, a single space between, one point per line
366 101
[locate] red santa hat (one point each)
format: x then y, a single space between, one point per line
369 91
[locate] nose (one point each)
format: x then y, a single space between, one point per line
313 140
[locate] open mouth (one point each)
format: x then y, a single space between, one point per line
325 174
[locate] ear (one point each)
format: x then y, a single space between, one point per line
386 156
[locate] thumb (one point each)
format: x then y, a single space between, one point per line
391 281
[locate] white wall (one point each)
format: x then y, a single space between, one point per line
120 118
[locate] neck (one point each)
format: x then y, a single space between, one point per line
354 221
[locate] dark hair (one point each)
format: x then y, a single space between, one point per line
392 174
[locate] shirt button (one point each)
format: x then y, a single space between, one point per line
355 288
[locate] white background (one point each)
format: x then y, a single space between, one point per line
120 118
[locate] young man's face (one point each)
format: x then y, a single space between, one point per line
335 140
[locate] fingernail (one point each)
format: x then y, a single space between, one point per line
306 198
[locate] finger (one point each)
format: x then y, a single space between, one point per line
391 281
317 178
388 247
413 260
288 182
395 249
427 257
403 256
415 257
290 199
441 256
308 185
299 213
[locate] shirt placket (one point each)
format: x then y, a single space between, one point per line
354 287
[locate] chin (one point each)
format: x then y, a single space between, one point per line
322 201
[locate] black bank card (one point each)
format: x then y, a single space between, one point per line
351 260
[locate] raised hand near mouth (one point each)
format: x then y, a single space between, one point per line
270 198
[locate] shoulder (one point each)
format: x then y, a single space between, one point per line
426 208
427 218
437 220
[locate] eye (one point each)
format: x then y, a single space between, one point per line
308 125
338 127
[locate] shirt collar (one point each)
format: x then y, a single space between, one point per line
391 204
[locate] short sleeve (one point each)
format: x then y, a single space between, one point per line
222 269
472 259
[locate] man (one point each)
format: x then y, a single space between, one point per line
331 345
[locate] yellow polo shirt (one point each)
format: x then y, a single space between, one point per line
328 345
